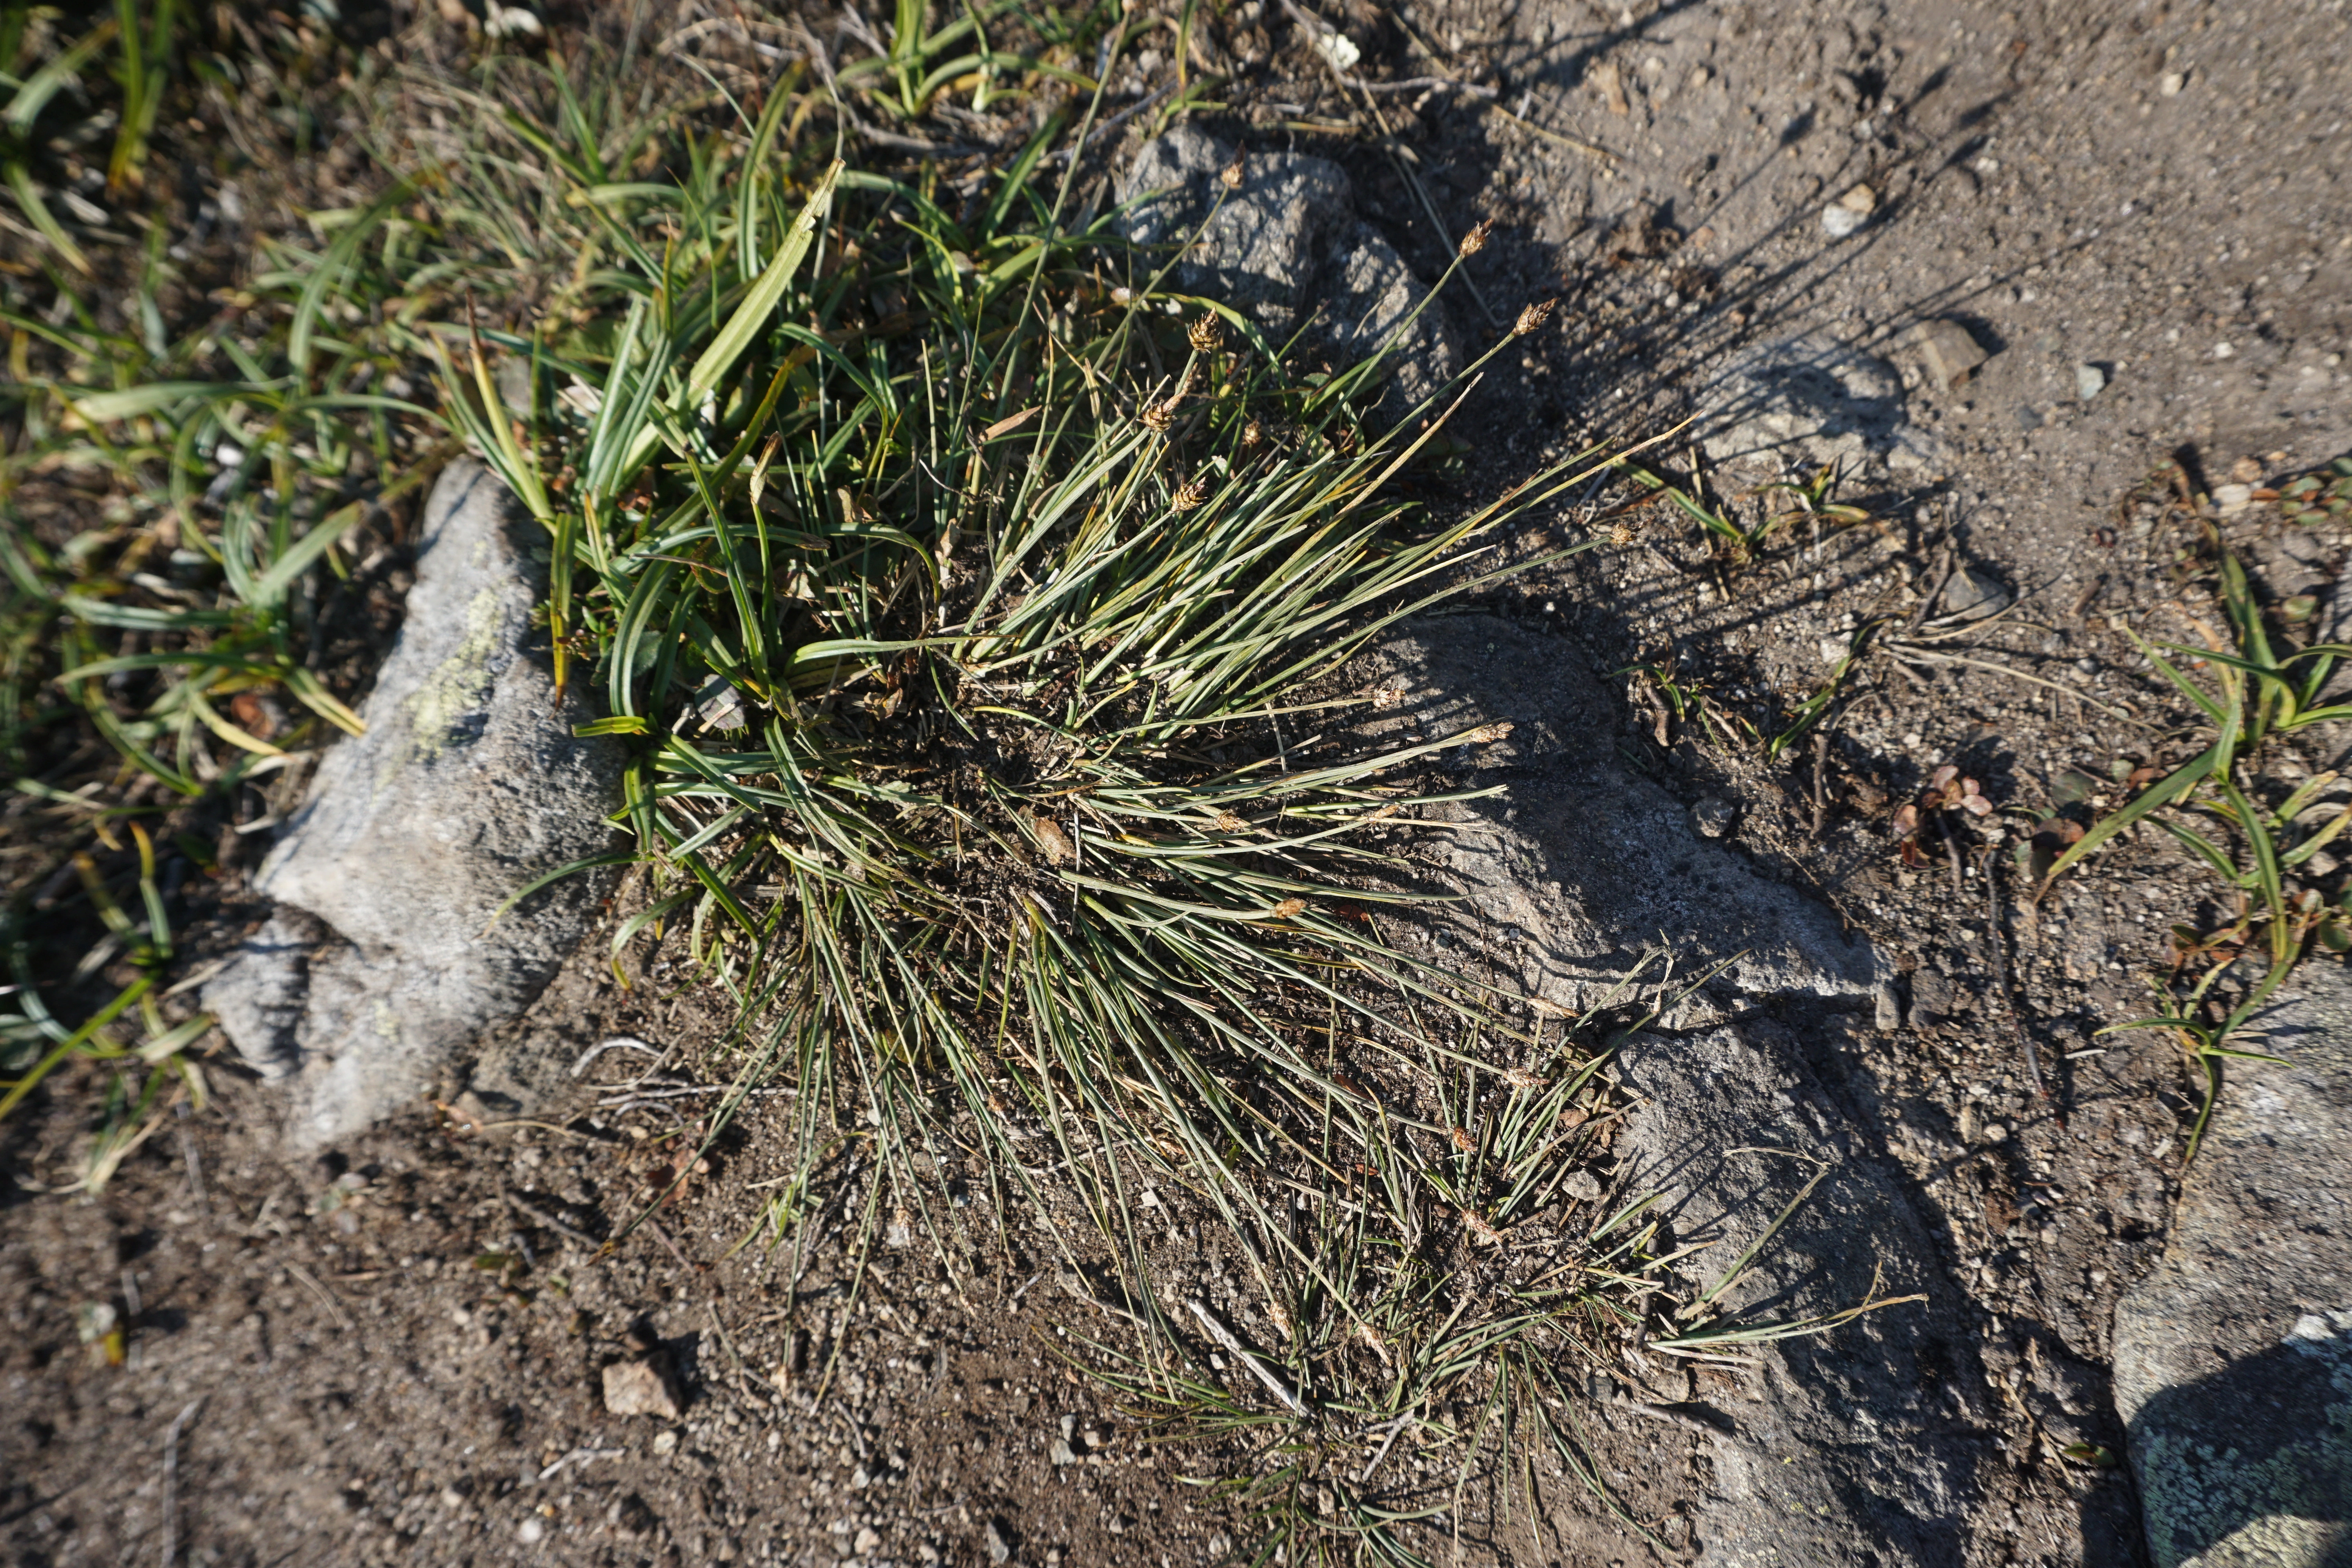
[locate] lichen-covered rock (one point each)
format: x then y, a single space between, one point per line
380 964
2233 1360
1260 243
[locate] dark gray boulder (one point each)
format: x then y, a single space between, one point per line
1285 248
1258 248
380 964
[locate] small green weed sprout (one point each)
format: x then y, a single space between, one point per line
2262 692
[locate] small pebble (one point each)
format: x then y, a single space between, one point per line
869 1542
1973 595
2089 382
1838 221
2028 417
2233 499
531 1532
1714 816
2171 83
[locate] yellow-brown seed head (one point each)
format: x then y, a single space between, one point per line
1159 416
1534 316
1290 908
1252 434
1192 493
1475 241
1621 533
1231 174
1207 334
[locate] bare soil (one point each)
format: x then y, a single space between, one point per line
399 1354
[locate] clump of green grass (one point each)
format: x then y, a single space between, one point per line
2264 690
977 612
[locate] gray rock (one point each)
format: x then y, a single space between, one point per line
1858 1447
2233 1360
2089 382
1284 243
999 1541
1591 863
375 970
1972 594
1714 816
1368 301
1260 246
1591 867
1944 351
1810 400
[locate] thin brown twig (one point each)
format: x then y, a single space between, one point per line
326 1297
1820 765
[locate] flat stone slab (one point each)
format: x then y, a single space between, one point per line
380 964
2233 1360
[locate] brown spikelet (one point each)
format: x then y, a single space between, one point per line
1288 908
1231 174
1475 241
1464 1141
1478 1227
1206 333
1227 821
1159 416
1486 732
1532 317
1621 533
1252 434
1520 1077
1190 494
